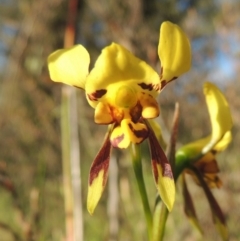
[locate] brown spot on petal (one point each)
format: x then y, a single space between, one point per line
146 87
97 94
149 87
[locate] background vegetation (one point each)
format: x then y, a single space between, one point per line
31 191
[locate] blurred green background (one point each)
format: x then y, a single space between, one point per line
31 191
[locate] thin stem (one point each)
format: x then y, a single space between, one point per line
162 222
137 166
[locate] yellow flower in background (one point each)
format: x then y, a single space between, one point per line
198 158
123 89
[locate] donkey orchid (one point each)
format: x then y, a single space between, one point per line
198 157
123 89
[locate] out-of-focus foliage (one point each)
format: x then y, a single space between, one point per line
31 202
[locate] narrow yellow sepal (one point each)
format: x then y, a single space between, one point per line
195 223
219 111
166 188
221 228
69 66
174 51
95 191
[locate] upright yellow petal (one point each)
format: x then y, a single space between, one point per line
219 111
69 66
174 52
224 142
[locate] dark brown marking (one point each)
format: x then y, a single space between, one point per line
136 113
149 87
139 133
97 94
101 162
158 156
146 87
165 82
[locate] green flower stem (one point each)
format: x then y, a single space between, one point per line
161 224
137 166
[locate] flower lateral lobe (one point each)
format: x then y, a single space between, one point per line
174 52
69 66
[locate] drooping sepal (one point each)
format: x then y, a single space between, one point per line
217 214
162 171
189 208
69 66
174 52
98 175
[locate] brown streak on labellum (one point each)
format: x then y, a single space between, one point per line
97 94
101 162
139 133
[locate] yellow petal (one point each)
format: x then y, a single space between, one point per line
69 66
115 67
219 111
174 52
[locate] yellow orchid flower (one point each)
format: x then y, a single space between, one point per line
123 89
198 158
